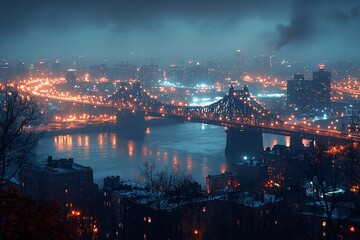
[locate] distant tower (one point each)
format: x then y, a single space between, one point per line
322 82
57 68
71 76
239 62
40 68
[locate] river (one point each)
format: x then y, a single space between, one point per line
191 147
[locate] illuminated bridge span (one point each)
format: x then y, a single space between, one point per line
237 108
243 116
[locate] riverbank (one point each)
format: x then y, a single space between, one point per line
106 127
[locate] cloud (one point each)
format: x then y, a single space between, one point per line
18 15
311 18
301 25
283 23
344 15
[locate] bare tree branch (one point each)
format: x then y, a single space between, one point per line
19 119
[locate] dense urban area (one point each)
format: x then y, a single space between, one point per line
303 190
180 120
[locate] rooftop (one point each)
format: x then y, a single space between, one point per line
157 200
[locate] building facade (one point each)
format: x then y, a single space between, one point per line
62 181
310 95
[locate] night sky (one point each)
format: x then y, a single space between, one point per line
116 29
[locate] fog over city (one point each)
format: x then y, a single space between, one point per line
180 119
172 30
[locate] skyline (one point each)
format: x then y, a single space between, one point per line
173 30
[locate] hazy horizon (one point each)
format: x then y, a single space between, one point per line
168 31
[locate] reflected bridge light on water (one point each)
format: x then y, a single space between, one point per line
195 148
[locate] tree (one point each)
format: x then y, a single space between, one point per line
25 218
177 188
161 182
19 118
323 193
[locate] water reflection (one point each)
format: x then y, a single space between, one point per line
194 148
306 142
113 140
79 140
223 168
133 134
63 142
86 141
175 162
270 140
144 151
189 164
287 141
130 147
101 140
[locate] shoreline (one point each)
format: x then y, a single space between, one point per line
106 127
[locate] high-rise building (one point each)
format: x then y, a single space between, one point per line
62 181
322 82
239 62
149 75
71 76
306 95
299 93
57 69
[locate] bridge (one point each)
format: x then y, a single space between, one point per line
244 118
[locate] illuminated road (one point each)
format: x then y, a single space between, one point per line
252 116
